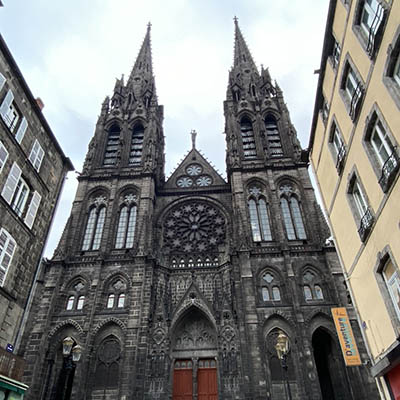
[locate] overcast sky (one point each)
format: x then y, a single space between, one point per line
70 53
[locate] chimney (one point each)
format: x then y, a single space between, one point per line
40 103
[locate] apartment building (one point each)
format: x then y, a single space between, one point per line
32 171
354 153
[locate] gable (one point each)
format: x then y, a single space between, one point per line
194 173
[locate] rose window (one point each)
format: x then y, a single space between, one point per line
203 180
194 169
184 182
194 227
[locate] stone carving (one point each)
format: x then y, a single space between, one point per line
195 335
194 227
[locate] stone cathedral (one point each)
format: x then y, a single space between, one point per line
178 288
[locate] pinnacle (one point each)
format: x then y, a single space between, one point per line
242 55
143 64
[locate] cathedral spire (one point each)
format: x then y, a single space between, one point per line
141 77
242 56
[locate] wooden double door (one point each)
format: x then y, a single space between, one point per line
184 380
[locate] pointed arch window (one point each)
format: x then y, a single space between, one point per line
95 225
272 135
291 213
108 363
76 296
249 144
259 217
126 223
312 286
116 295
135 154
270 287
112 146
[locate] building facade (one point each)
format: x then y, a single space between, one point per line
32 171
354 153
179 288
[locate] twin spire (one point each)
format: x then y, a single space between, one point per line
144 66
242 56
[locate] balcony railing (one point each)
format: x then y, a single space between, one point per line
389 169
341 155
11 365
366 224
355 101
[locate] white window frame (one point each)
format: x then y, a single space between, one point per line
370 10
351 78
337 140
2 80
36 156
392 282
5 251
336 52
20 197
3 156
396 71
379 132
11 183
359 199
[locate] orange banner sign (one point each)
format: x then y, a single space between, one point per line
347 342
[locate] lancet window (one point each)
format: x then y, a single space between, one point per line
270 287
135 154
126 223
95 224
249 144
312 286
112 146
291 213
259 217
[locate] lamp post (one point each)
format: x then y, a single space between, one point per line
282 350
71 354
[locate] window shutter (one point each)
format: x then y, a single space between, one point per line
11 183
39 158
32 210
5 106
3 155
2 80
7 248
21 130
36 156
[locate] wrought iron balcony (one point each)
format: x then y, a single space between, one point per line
356 101
341 155
11 365
389 170
366 224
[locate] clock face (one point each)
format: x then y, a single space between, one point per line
203 180
184 182
194 169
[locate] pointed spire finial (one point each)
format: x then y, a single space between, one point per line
242 55
194 134
236 19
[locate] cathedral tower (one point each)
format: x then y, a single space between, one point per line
179 288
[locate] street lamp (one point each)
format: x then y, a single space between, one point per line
282 350
72 354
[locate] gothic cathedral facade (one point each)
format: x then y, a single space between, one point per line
179 288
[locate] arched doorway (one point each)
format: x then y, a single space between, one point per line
194 351
330 367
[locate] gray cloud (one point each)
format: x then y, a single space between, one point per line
71 52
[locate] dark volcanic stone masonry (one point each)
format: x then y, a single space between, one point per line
179 288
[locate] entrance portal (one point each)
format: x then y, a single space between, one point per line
207 380
329 366
183 380
194 347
